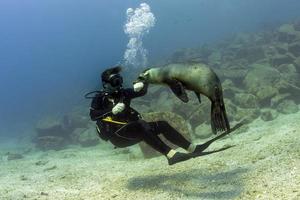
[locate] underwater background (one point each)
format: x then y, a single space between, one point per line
52 53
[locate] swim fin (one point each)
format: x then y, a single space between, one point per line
179 157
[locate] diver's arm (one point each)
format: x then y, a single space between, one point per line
129 92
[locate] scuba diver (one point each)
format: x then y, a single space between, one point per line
123 126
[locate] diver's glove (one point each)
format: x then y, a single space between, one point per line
119 107
138 86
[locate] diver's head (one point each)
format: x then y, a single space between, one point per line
111 79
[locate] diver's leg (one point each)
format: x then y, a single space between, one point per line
140 130
176 138
171 134
152 139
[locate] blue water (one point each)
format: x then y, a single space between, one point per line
52 51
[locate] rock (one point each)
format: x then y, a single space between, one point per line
75 120
252 54
287 107
142 108
287 33
231 109
297 25
76 134
189 54
200 113
214 58
282 48
265 94
174 120
246 100
280 59
163 102
294 48
48 122
154 89
53 127
88 137
50 143
248 115
58 130
297 64
203 131
268 114
229 89
234 73
279 98
14 156
261 81
41 162
288 73
50 168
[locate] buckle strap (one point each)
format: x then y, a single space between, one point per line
109 119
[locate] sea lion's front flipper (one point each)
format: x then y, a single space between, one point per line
198 96
178 90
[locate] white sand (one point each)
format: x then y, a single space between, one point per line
265 164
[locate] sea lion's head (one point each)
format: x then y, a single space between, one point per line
144 76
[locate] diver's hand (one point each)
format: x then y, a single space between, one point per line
119 107
138 86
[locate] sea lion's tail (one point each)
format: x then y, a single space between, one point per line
219 120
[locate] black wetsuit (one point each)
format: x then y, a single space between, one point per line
127 127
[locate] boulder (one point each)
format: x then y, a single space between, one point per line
87 137
252 54
57 129
248 115
278 99
287 33
265 93
280 59
163 102
294 48
13 156
297 64
214 58
245 100
297 25
287 107
198 113
261 81
234 73
231 109
229 89
282 48
50 143
203 131
268 114
289 74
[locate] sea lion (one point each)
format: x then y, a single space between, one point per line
195 77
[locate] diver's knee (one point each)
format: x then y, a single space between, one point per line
163 124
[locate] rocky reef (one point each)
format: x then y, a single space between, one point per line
55 133
259 73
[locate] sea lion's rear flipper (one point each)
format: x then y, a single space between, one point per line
178 90
219 120
198 96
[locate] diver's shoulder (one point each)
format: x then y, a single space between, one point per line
100 94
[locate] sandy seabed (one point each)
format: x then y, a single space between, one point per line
264 164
